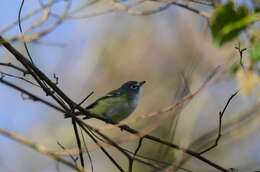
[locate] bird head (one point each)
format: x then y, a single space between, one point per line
132 86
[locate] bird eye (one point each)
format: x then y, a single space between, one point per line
133 86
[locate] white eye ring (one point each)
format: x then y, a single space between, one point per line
133 86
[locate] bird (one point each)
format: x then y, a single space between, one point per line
117 104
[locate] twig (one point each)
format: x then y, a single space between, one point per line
74 124
125 152
21 31
221 113
56 78
127 129
90 94
4 74
86 148
40 76
32 96
39 148
63 148
194 154
27 16
59 109
25 72
241 51
136 151
202 2
166 5
134 155
104 150
35 36
68 14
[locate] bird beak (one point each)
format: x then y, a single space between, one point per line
141 83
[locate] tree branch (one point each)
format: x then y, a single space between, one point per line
39 148
221 113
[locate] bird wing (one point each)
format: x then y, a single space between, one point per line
113 93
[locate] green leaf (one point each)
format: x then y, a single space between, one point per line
255 52
228 22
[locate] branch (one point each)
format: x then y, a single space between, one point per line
39 148
166 5
68 14
25 72
36 35
87 150
28 16
4 74
241 51
41 77
74 124
63 148
137 149
221 113
126 128
21 31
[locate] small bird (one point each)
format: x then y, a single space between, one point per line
117 104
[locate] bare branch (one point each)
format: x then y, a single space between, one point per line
25 72
39 148
41 77
221 113
194 154
166 5
90 94
74 124
21 31
4 74
63 148
86 148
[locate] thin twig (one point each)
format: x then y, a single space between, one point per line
86 148
21 31
32 96
136 151
27 16
103 149
56 78
4 74
25 72
221 113
166 5
90 94
241 51
71 156
74 124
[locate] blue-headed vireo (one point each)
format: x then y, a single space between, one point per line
118 104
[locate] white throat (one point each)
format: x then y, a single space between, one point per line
137 97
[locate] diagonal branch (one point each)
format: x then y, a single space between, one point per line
39 148
41 77
126 128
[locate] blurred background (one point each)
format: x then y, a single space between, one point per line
172 50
